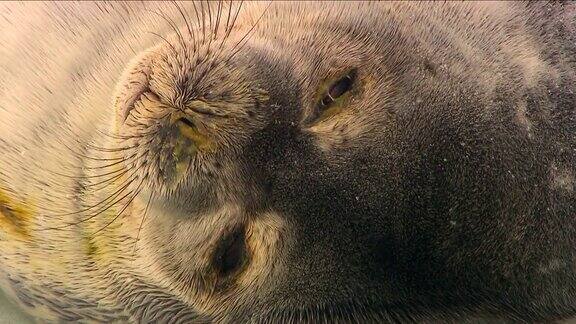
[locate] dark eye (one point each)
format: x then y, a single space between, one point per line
339 88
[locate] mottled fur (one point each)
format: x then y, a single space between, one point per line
441 190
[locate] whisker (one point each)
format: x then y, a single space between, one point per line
142 222
174 27
93 215
80 155
203 22
111 164
201 41
88 218
133 120
209 16
213 58
123 209
123 137
248 33
94 186
104 201
224 39
85 177
226 34
228 18
235 17
110 150
197 15
142 126
219 10
192 35
210 27
167 42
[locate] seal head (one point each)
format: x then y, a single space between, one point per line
325 162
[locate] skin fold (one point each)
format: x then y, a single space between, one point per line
288 161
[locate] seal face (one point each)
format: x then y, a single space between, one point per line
279 162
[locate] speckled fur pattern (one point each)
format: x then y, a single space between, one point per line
164 162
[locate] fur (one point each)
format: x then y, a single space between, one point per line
165 162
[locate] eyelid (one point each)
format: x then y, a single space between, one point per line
338 88
324 106
325 102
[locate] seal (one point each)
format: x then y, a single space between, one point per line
280 162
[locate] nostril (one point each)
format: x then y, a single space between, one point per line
230 255
186 122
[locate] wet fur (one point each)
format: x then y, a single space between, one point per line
443 192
